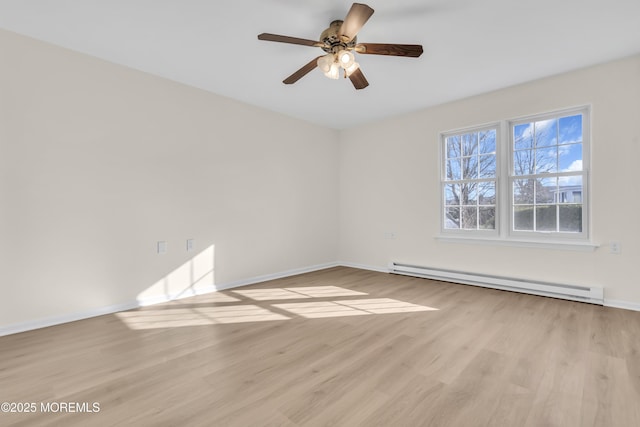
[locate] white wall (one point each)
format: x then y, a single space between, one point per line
99 162
389 181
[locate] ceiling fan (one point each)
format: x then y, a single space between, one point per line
339 42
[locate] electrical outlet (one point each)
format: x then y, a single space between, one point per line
162 247
190 245
615 248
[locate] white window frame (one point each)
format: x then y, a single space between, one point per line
478 233
504 233
586 149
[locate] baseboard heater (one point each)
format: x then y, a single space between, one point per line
590 294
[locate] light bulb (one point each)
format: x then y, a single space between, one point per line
334 71
324 62
346 59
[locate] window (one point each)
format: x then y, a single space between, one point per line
533 187
469 184
548 177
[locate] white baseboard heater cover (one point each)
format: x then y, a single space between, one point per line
590 294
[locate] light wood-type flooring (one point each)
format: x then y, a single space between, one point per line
341 347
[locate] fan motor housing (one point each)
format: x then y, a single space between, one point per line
332 40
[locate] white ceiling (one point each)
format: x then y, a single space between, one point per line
470 46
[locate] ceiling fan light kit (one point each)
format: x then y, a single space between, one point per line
339 41
331 63
346 59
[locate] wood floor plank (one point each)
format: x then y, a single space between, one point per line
341 347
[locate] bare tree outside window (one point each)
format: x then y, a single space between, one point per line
470 185
547 167
532 185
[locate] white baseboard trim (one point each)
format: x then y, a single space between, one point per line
364 267
634 306
184 294
281 275
57 320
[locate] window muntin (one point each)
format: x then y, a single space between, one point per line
469 181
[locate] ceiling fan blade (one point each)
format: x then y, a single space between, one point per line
301 72
287 39
410 50
358 15
358 79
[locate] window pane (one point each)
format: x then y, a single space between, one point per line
570 157
546 218
452 194
469 167
523 162
453 170
487 193
469 218
487 141
453 147
487 218
571 218
570 189
523 218
547 160
469 144
571 129
487 166
546 133
546 190
577 196
564 181
469 193
523 136
452 220
523 191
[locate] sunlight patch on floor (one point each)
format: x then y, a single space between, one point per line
179 317
269 294
326 291
222 308
297 293
351 307
385 305
213 297
314 310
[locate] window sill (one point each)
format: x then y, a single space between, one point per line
555 245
